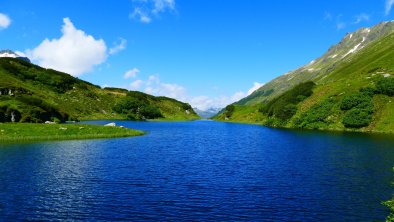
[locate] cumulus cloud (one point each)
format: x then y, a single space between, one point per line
132 73
389 5
5 21
156 87
75 52
121 45
153 85
145 10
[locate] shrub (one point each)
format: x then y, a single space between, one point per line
2 116
127 104
357 118
285 106
150 112
137 108
186 106
357 100
385 86
39 111
229 111
369 91
288 111
316 115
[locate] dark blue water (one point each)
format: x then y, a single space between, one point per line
200 171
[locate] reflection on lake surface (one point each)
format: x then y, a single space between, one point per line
200 170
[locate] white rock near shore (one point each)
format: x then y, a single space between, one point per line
110 124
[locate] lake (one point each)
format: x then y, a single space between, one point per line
201 170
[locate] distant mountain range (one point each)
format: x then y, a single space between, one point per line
206 114
12 54
352 82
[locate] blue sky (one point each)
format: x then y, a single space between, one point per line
205 52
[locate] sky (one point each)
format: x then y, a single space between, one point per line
208 53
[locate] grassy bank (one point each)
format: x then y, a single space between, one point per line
21 132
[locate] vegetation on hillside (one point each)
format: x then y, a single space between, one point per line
339 59
29 93
137 106
285 106
353 92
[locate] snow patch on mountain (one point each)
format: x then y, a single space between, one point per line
352 50
12 54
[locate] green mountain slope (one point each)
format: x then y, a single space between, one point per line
29 93
350 45
353 83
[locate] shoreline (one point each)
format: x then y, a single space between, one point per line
374 132
31 132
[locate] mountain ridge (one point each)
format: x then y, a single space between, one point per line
351 43
29 93
353 91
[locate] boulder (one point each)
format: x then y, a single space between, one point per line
110 124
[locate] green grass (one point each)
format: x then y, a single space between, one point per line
243 114
21 132
39 92
340 79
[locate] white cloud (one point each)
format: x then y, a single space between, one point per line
5 21
362 18
132 73
118 46
136 85
204 102
74 52
154 86
163 5
141 15
389 5
256 86
145 10
19 53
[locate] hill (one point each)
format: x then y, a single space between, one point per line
29 93
348 88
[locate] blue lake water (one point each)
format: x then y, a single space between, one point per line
200 170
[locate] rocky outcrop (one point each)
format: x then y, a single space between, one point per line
11 91
12 54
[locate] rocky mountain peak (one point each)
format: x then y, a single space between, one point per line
11 54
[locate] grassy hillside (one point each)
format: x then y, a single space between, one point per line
29 93
355 93
319 68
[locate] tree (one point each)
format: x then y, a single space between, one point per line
386 86
357 100
357 118
287 112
